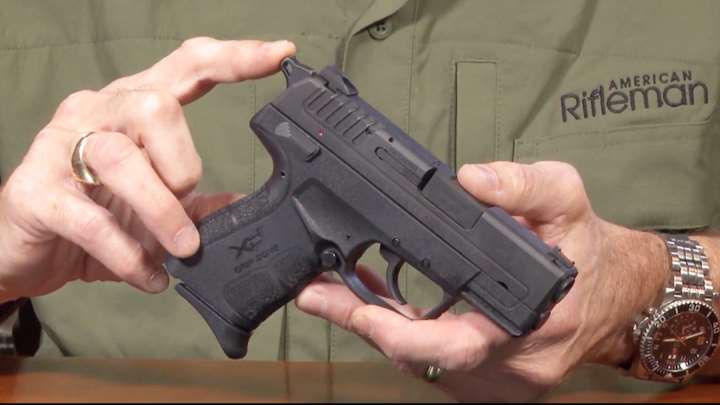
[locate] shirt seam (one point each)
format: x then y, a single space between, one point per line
620 130
139 38
576 53
408 121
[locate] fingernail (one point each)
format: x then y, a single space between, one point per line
486 175
270 45
313 301
158 281
187 241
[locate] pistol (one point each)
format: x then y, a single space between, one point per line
346 178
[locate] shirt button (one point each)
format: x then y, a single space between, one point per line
381 29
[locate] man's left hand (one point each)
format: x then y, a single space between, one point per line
620 272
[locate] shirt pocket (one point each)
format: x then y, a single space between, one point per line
653 176
475 105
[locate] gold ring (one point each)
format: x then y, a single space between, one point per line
81 171
432 373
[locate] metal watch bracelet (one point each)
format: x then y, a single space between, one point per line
690 268
689 279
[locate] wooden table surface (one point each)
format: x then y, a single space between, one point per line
132 380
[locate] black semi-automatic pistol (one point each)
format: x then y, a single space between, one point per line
345 178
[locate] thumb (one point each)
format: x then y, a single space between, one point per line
540 192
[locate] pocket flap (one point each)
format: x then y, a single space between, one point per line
647 177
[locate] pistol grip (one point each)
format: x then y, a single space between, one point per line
255 256
233 340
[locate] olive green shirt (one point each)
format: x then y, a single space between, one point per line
625 91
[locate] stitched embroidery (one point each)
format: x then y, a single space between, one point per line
630 93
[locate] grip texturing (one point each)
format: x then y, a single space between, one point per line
230 218
259 292
255 256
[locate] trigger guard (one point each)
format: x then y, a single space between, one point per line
395 263
353 282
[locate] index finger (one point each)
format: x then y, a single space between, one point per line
200 63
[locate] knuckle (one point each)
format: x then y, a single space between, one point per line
558 169
570 173
188 178
198 47
22 189
514 181
132 261
166 211
93 226
392 348
45 135
548 377
195 173
571 180
110 151
75 103
525 181
197 42
47 142
345 316
467 354
198 54
158 105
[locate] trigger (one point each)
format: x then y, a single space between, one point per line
395 263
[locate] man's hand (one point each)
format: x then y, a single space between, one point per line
621 271
54 230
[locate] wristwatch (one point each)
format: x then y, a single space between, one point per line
676 338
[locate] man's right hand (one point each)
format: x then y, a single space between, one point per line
54 230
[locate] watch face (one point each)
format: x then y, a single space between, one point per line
680 339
